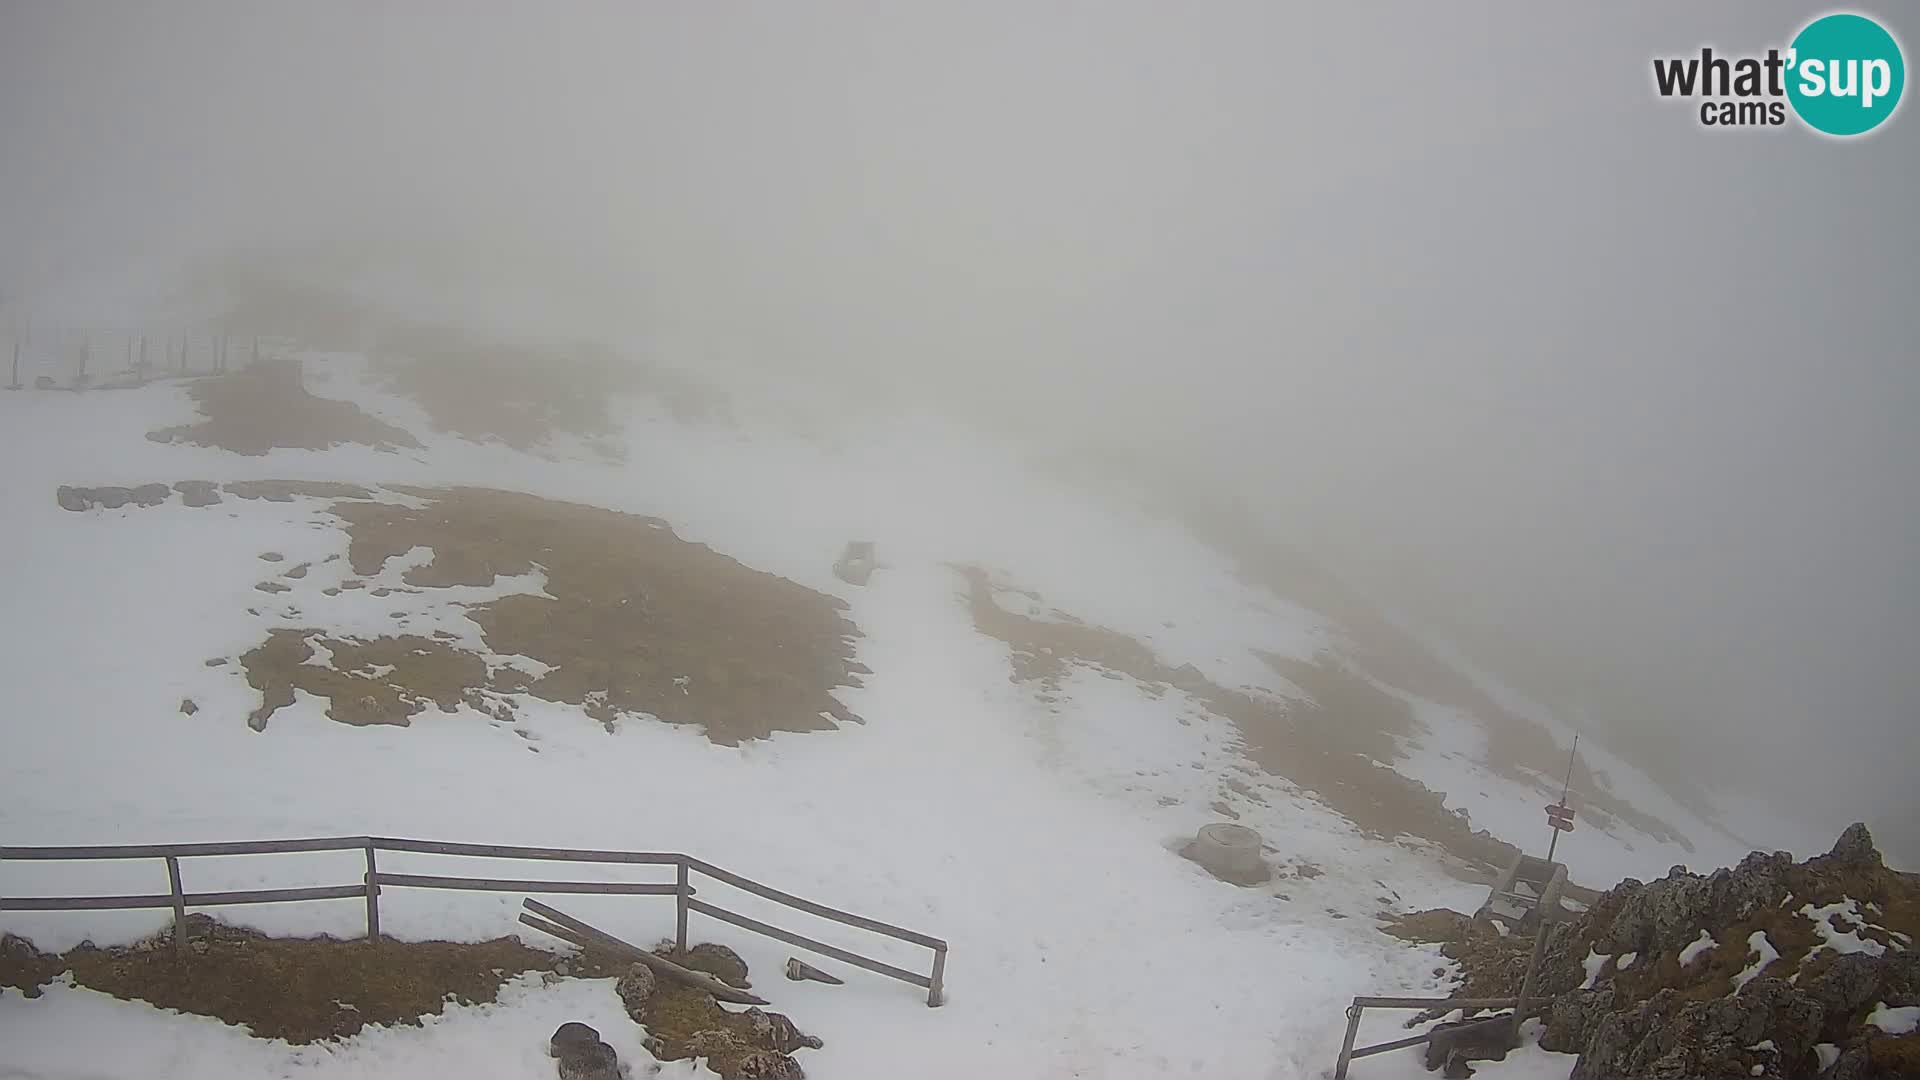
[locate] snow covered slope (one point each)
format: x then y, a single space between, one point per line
1031 823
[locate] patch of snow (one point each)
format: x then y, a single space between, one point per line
1626 961
1594 963
1825 920
1902 1021
1827 1053
1764 1044
1699 945
1765 954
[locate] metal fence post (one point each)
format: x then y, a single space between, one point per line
16 364
1346 1048
373 900
179 907
680 914
936 989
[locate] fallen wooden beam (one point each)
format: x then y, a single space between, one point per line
661 966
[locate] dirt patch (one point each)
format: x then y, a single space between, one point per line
299 989
633 620
265 406
419 672
520 395
1325 747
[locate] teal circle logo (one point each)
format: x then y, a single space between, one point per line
1845 74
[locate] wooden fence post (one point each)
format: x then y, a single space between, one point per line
936 993
373 901
680 915
179 907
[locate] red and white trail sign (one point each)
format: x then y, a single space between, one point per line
1560 816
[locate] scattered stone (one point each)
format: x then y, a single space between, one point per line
798 969
716 960
187 706
588 1061
330 591
775 1031
218 661
299 571
273 587
636 989
1230 853
571 1036
271 556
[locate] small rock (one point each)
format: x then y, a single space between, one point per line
218 661
572 1034
716 960
775 1031
187 706
271 556
767 1065
588 1061
273 587
636 989
798 969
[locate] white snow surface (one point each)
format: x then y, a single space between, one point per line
1699 945
1763 952
1035 839
1826 920
1594 964
1901 1021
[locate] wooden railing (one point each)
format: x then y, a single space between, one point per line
371 883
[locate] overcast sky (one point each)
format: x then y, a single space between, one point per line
1444 291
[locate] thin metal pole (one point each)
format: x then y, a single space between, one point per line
936 990
373 900
1553 841
1346 1046
680 914
179 907
16 363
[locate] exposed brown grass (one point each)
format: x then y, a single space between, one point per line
299 989
425 672
521 395
265 407
634 620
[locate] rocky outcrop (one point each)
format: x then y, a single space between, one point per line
1768 969
685 1022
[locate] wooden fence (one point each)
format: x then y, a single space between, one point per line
681 889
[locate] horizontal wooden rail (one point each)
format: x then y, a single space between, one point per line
820 947
166 900
812 908
161 851
375 880
430 881
507 851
